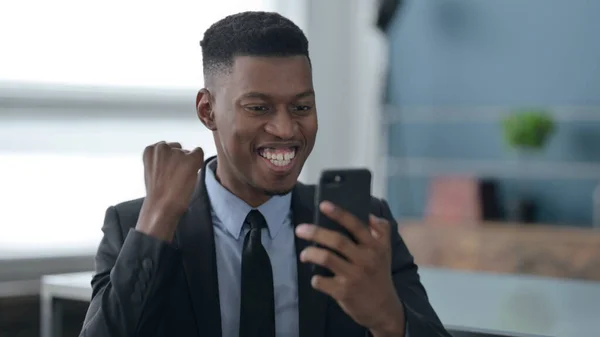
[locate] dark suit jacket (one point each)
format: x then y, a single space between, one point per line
146 287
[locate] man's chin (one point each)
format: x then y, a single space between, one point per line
278 188
276 184
277 192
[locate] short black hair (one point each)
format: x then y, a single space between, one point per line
250 34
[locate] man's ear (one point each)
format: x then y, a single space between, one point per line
204 109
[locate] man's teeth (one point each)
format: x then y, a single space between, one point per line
279 157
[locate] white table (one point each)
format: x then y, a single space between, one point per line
54 288
512 305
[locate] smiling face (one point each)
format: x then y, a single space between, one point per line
264 121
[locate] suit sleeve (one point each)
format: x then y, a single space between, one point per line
129 284
421 319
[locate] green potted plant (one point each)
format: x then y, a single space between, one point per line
527 132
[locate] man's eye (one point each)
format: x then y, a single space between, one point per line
257 108
302 108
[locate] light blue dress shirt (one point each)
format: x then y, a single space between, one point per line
228 215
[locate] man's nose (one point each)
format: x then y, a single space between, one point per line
282 125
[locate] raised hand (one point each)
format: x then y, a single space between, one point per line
170 174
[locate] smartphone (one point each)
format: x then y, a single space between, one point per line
349 189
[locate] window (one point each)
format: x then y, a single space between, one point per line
65 154
109 42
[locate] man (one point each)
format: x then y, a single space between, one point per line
228 251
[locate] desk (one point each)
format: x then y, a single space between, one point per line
54 288
21 274
502 304
519 305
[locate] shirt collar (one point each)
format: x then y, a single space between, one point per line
232 211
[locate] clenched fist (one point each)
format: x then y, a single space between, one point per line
170 174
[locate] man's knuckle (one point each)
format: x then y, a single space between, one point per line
148 151
344 217
386 224
198 155
339 243
326 257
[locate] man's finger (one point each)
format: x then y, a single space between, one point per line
174 145
380 228
328 285
359 230
198 154
330 239
198 151
325 258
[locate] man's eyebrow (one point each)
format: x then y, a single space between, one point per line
256 95
264 96
307 93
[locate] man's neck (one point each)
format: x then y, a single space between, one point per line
248 194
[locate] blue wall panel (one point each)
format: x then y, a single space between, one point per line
505 54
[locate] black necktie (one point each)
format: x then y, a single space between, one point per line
257 309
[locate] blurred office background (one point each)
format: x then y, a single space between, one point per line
415 90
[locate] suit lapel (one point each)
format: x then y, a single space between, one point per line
195 238
312 306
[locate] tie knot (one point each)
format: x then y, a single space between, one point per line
256 220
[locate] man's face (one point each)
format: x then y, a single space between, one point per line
266 121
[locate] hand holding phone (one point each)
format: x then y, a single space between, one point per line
356 247
349 189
